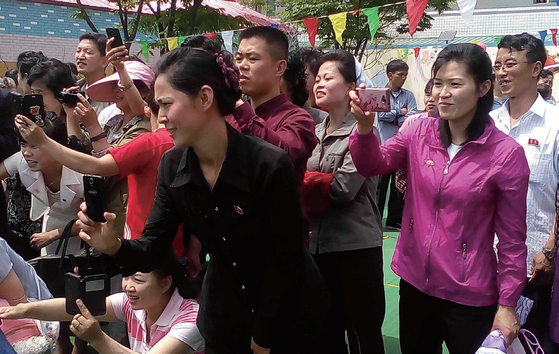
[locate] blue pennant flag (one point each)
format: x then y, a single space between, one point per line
543 33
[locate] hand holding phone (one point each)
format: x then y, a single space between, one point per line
374 99
33 108
95 198
115 33
91 289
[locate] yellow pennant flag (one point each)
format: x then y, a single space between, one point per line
172 42
339 23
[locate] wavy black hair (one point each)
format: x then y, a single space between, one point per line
296 79
54 74
480 68
189 69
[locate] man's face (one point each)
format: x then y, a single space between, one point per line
88 58
514 74
546 80
398 78
259 71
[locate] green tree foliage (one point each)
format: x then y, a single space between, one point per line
357 36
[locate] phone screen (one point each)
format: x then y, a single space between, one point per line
33 108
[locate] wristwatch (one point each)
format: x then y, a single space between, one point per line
551 255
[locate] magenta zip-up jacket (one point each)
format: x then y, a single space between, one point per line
453 210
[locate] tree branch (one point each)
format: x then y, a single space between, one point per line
86 17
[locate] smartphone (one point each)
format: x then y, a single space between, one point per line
94 192
91 289
33 108
374 99
115 33
70 98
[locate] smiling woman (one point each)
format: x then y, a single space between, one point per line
461 171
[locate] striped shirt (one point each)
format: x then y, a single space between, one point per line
177 320
537 132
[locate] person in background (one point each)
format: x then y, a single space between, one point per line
91 62
202 42
402 105
157 306
545 91
431 109
25 61
8 83
235 192
546 77
345 223
294 83
12 73
533 124
311 60
20 226
467 182
262 60
499 99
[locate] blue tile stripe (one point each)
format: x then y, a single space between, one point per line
46 20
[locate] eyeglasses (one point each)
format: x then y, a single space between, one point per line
508 66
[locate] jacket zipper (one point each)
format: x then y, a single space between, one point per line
445 172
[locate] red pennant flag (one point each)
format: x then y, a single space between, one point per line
554 35
415 9
210 35
416 50
312 27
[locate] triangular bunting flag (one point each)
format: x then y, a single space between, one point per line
416 50
554 35
181 40
543 34
172 43
145 51
339 23
415 9
312 27
228 39
467 8
372 18
210 35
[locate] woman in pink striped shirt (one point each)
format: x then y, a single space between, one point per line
157 307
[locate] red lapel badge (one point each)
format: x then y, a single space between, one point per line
533 142
238 210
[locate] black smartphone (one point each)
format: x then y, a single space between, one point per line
33 108
94 192
70 98
115 33
91 289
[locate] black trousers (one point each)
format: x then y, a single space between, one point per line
395 201
356 284
293 348
427 321
538 319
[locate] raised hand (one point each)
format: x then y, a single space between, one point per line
101 236
84 325
365 119
30 131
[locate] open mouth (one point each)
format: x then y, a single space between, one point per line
320 94
133 298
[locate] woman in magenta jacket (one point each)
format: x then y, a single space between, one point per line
467 181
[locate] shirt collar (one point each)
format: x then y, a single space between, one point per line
537 108
266 108
347 126
171 310
234 170
434 139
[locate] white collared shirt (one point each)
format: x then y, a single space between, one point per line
178 320
58 208
537 132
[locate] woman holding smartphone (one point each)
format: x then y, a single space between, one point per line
345 223
158 309
466 182
239 196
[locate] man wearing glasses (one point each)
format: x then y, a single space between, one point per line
534 124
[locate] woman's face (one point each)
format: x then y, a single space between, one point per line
144 290
36 159
49 100
455 92
120 100
430 105
330 88
184 116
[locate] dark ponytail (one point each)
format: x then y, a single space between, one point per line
189 69
170 266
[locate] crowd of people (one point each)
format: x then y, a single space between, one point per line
245 195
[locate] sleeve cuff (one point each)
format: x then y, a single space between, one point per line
243 114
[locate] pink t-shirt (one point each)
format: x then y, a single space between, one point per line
177 320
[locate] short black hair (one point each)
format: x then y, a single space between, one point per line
429 86
397 65
202 42
276 40
311 58
54 74
12 73
99 39
534 47
545 73
296 79
345 64
544 90
27 60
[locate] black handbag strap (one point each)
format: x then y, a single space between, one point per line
65 239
